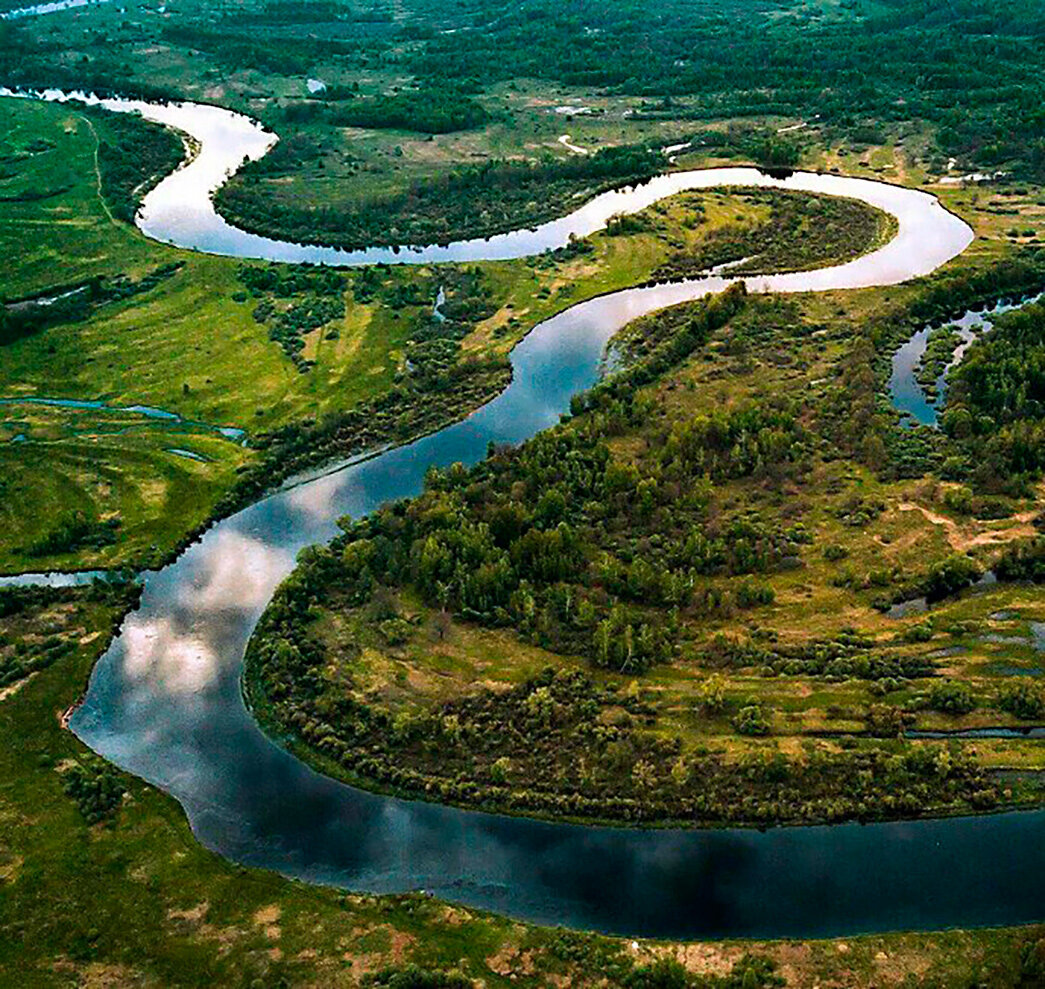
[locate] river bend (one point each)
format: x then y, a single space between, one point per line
164 702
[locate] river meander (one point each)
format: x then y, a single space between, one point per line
165 703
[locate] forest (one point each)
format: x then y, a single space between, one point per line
426 111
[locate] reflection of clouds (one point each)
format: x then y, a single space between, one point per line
154 651
317 499
239 572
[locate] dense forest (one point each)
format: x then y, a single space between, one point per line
900 60
425 111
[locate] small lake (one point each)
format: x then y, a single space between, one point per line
908 396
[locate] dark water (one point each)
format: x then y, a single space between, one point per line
165 701
1035 731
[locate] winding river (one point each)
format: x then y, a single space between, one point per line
164 702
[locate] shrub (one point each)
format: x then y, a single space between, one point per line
952 698
750 720
414 977
1022 700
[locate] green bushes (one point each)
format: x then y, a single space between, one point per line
887 721
941 579
414 977
318 296
751 720
74 531
802 231
558 744
952 697
74 303
750 972
133 155
95 787
29 643
1024 560
1022 700
996 404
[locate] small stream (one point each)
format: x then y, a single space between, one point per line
148 412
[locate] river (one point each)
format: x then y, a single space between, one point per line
164 702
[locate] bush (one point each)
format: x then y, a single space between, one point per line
952 698
887 721
663 974
948 576
750 720
1022 700
414 977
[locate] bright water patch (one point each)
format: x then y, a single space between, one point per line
36 10
188 455
53 579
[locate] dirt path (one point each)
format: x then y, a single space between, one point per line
961 541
